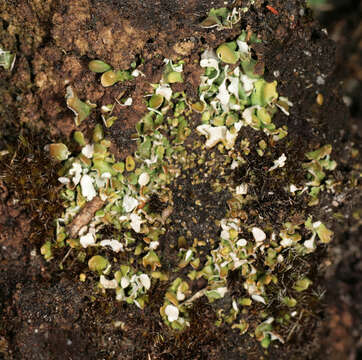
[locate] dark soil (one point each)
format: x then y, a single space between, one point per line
45 312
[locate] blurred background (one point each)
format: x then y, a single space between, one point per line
342 19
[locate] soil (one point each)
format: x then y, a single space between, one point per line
45 312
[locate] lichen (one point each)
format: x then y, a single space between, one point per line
233 100
7 59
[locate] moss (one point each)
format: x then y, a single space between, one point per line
29 178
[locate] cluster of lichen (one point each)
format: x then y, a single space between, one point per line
7 59
101 192
223 18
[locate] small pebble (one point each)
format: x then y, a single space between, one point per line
320 99
320 80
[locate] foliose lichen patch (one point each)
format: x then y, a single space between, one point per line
7 59
156 202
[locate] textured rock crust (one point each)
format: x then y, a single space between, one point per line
46 313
